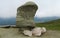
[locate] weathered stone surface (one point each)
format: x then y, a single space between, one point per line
38 31
25 15
27 32
43 30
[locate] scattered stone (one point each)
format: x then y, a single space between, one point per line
37 31
43 29
27 32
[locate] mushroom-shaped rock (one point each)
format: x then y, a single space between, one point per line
25 14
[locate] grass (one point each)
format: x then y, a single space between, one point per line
0 36
52 25
49 26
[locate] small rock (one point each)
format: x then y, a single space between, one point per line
43 29
27 32
36 31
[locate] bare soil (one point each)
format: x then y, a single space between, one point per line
14 33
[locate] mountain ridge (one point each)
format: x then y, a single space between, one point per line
45 19
8 21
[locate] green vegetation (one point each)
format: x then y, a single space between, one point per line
52 25
0 36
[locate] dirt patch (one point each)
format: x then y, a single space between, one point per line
13 33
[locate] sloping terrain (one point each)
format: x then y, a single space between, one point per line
53 31
13 33
52 25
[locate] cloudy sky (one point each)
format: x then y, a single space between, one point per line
46 8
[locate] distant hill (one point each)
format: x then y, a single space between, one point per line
8 21
54 25
54 22
45 19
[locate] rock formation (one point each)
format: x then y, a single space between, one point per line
25 15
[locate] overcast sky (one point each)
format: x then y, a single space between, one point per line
46 8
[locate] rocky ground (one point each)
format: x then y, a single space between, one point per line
13 33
